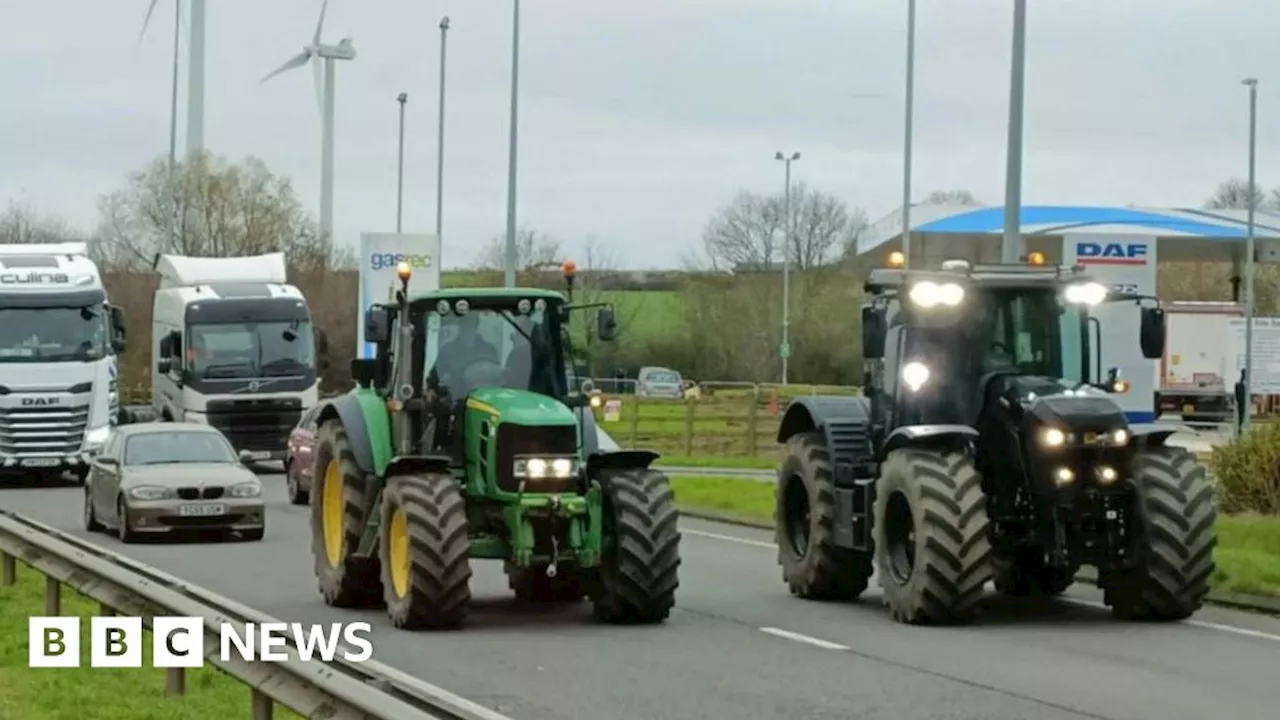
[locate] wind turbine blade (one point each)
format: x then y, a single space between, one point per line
296 61
320 25
319 77
147 20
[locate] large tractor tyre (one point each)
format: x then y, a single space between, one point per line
805 517
425 552
533 585
337 521
1175 514
1027 575
932 550
638 573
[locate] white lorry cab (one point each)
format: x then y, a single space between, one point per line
234 347
59 339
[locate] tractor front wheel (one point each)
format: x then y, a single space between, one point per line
931 536
337 521
425 552
638 573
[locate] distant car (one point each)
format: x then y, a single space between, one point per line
659 382
155 478
297 463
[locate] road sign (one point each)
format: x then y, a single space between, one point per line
612 410
785 350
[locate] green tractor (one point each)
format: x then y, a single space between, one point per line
463 440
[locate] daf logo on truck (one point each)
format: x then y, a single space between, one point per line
34 278
1091 253
39 401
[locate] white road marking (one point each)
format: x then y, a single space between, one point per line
1204 624
816 642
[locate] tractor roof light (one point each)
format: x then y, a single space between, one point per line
1035 258
928 294
404 272
1088 293
897 259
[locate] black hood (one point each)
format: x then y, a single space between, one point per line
1078 411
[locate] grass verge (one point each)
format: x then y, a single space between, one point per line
1248 553
100 693
738 462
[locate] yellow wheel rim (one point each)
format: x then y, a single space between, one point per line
332 512
398 552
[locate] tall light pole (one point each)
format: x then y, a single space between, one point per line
785 349
1011 247
444 36
906 142
402 98
1249 268
195 80
509 278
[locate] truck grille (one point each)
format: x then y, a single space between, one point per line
256 425
516 440
48 430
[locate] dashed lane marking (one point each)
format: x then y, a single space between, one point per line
816 642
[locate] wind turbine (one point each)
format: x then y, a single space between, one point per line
314 53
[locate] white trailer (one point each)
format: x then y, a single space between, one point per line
59 338
234 347
1192 381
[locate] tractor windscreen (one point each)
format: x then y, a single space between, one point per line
490 348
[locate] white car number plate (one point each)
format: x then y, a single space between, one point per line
258 454
41 462
202 510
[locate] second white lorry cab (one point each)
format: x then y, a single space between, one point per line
58 344
234 347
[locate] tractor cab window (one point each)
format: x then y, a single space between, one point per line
1031 333
493 348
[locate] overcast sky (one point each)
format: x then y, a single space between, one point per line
638 120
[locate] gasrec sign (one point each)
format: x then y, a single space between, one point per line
1111 253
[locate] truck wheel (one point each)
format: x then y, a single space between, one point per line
805 517
425 552
1026 575
638 573
931 526
531 585
337 521
1175 512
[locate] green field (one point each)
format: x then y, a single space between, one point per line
99 693
1248 553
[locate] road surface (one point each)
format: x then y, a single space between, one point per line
739 647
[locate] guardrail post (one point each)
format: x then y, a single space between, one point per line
753 423
175 681
10 571
263 706
52 596
635 421
688 426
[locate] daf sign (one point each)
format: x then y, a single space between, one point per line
1112 253
39 401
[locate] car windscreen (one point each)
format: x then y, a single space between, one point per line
155 448
663 377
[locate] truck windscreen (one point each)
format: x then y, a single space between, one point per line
250 349
54 334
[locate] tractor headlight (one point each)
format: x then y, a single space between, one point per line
915 375
540 468
928 294
1090 293
1120 437
1107 475
1053 437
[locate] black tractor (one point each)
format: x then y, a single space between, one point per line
989 447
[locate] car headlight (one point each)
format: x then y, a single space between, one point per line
539 468
150 492
1090 293
928 294
1053 437
97 436
246 490
915 375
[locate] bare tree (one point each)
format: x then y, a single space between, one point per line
1234 195
20 224
958 196
749 232
533 249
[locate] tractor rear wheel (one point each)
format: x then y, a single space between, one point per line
805 517
531 585
1175 515
337 522
425 552
931 526
638 573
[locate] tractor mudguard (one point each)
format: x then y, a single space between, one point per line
347 409
619 459
410 464
590 434
927 435
845 423
1153 435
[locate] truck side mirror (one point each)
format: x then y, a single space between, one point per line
377 325
1151 333
873 332
117 328
606 325
163 366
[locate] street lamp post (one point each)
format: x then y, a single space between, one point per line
1011 247
444 35
509 278
1249 267
788 225
906 141
402 99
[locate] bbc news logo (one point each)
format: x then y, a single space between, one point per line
179 642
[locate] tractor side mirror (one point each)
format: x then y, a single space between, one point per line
364 371
873 332
117 329
377 325
606 325
1151 334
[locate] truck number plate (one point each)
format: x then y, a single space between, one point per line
41 462
202 510
1188 409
